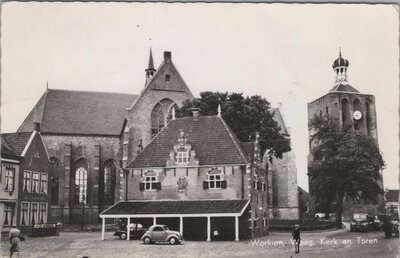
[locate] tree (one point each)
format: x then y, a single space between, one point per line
346 163
245 116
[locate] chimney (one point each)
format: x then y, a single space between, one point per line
196 113
36 126
167 56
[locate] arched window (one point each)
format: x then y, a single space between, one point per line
108 182
55 180
370 115
157 120
358 124
81 176
345 111
173 107
159 115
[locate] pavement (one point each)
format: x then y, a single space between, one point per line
336 243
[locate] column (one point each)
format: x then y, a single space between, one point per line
236 228
128 229
208 229
103 228
154 220
181 225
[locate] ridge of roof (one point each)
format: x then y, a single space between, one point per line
146 86
153 78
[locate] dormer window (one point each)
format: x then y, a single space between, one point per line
215 179
182 156
167 78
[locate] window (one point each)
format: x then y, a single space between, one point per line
215 180
43 183
264 187
158 229
43 213
34 213
108 182
27 181
24 213
168 78
327 110
182 156
150 182
55 182
35 182
8 214
81 186
9 180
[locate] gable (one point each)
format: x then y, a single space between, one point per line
159 81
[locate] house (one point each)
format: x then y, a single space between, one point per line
9 177
30 182
196 177
392 200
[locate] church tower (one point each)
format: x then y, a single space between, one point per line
351 107
150 69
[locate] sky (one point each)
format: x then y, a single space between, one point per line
283 52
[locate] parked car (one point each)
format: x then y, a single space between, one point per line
161 233
361 223
136 231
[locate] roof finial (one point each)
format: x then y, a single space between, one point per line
340 52
47 85
173 113
219 110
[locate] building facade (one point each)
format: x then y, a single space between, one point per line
91 136
27 180
351 107
198 159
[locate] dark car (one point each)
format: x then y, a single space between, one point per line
136 231
161 233
361 223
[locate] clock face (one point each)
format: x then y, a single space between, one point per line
357 115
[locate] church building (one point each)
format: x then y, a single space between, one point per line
92 136
349 106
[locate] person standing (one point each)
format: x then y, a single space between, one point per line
296 238
15 238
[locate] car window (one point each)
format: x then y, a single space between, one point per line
158 229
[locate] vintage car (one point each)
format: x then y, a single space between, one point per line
361 222
136 231
161 233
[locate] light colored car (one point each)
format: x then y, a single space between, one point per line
161 233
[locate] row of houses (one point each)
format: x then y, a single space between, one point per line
25 176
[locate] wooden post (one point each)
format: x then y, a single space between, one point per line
128 229
208 229
236 228
103 228
181 225
154 220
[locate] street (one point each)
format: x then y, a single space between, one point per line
337 243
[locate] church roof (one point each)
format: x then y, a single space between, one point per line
79 112
344 88
15 142
277 116
210 137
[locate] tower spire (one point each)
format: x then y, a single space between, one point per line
150 69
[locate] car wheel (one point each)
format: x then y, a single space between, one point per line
147 240
173 241
123 236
